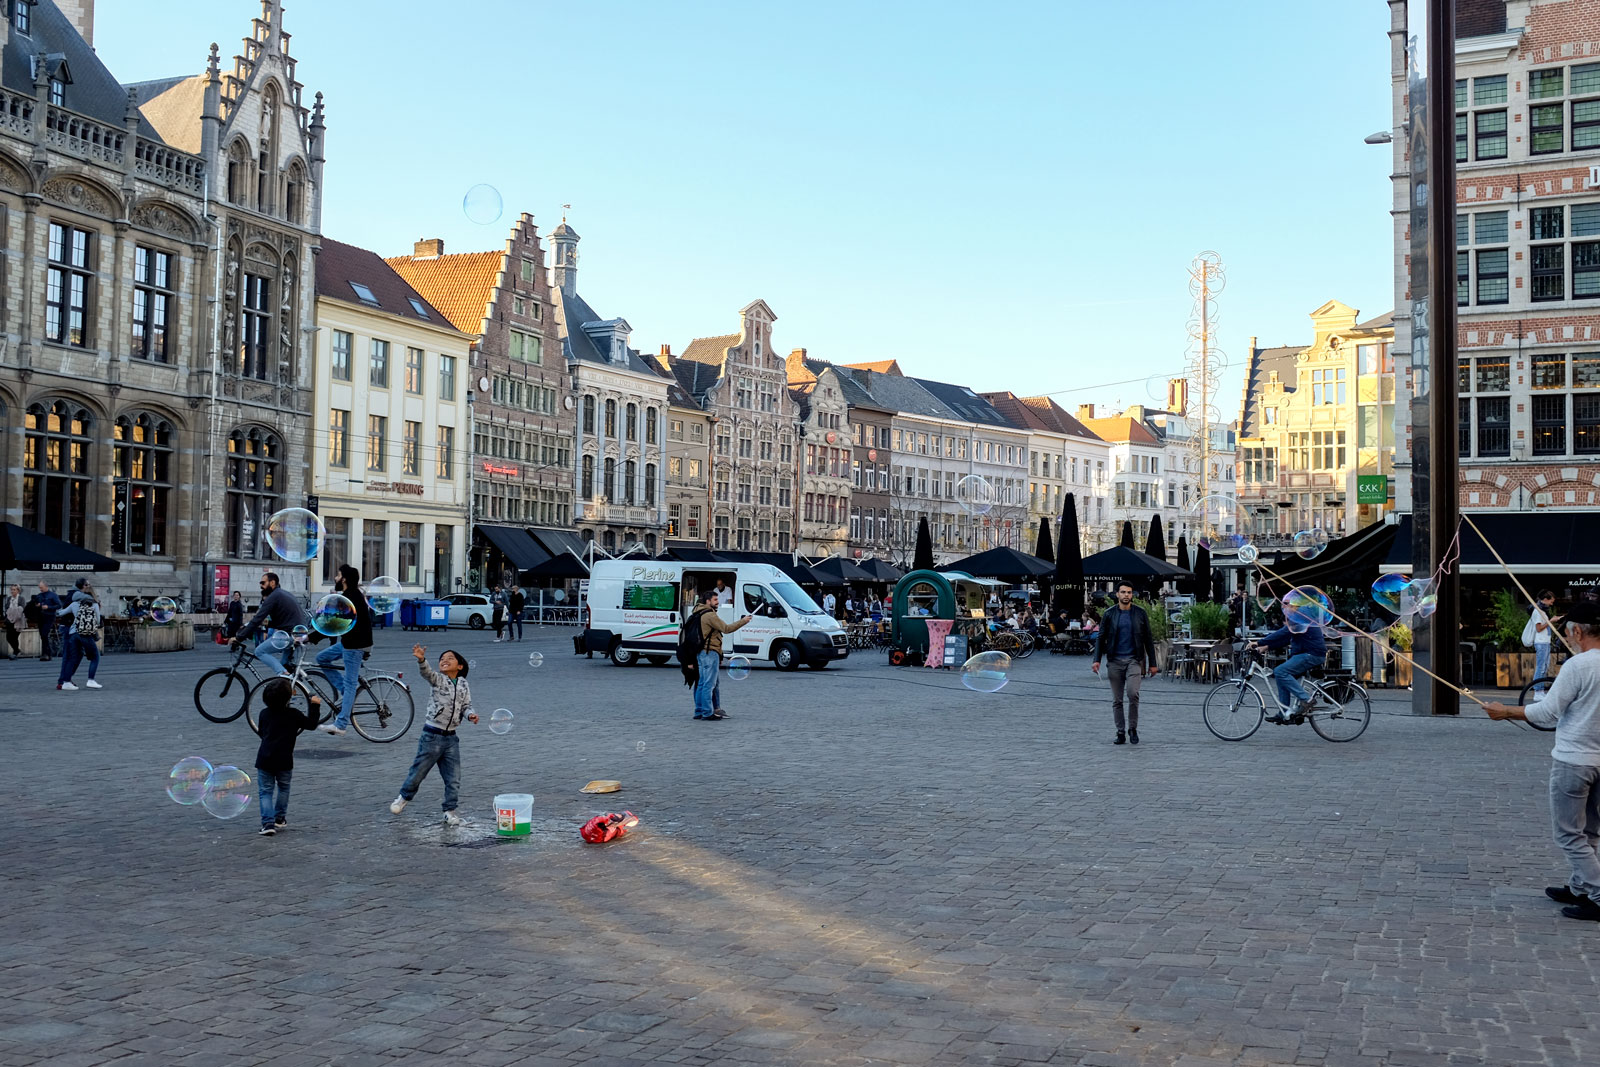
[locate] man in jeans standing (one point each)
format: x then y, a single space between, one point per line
1126 644
1541 635
707 696
1573 707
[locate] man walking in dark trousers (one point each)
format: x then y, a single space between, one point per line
1126 645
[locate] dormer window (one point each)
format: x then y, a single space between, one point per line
22 16
58 93
365 294
418 307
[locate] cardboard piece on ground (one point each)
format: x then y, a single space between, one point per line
603 785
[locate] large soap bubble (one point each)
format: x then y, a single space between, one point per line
333 616
1306 606
483 204
501 720
383 594
186 783
163 609
1387 591
738 668
975 494
295 534
227 792
1216 524
987 672
1309 544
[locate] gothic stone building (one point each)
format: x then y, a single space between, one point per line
125 392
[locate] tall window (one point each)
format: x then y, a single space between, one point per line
1549 425
526 347
1494 426
632 423
142 457
414 371
1586 423
254 486
650 416
445 464
447 377
609 485
611 419
630 472
255 334
411 449
650 485
335 546
22 17
378 369
66 315
588 414
338 438
152 302
55 463
586 483
339 370
377 429
409 543
1488 228
373 554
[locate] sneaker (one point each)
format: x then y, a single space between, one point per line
92 684
1587 909
1562 895
266 831
452 819
398 804
281 822
66 685
1122 738
331 729
722 713
1133 737
718 717
699 717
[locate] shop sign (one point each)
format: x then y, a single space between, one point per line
404 488
510 470
1372 489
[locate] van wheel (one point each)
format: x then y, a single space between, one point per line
476 622
624 657
785 656
659 661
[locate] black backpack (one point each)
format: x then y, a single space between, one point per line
691 641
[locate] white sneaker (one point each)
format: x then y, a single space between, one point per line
92 684
332 729
452 819
67 685
397 805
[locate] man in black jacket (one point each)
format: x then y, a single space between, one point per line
1126 645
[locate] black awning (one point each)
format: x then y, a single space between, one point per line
1354 560
1533 542
565 565
836 570
22 549
556 542
515 544
688 552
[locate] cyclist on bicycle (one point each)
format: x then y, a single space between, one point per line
278 611
1307 651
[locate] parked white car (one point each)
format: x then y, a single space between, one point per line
470 609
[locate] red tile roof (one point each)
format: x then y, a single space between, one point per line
458 285
882 366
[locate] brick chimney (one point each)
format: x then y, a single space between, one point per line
81 14
1085 411
666 351
428 248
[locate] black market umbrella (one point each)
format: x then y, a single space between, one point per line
1123 562
22 549
1068 583
1005 563
1156 544
1127 534
558 567
840 571
1045 549
1185 585
922 558
881 570
1202 573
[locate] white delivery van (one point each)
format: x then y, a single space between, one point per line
636 607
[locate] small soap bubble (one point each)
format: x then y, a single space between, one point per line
333 616
300 630
500 721
536 659
295 534
163 609
483 204
1309 544
1421 598
640 746
383 594
186 783
227 792
738 668
987 672
277 640
975 494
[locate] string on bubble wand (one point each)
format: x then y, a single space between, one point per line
1520 587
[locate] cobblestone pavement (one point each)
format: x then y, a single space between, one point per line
862 865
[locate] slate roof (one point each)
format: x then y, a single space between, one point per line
895 392
1122 428
710 349
459 285
574 311
855 394
968 405
174 106
1382 322
339 264
1258 371
92 91
695 379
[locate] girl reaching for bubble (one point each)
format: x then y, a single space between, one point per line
451 702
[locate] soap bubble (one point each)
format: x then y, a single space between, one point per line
1420 598
482 204
301 630
1248 553
163 609
383 594
277 640
1309 544
227 792
975 494
187 782
1215 520
333 616
500 721
295 534
738 668
536 659
987 672
1306 606
1387 590
640 746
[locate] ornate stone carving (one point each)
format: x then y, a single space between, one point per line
78 196
162 219
12 178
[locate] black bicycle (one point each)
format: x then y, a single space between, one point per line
1543 686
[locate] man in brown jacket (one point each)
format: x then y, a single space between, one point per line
707 696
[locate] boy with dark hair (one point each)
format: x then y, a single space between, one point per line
450 704
280 724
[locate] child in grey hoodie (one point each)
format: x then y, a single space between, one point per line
450 704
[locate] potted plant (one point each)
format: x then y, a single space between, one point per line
1207 621
1160 631
1400 641
1513 663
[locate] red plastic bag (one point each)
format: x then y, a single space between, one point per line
608 827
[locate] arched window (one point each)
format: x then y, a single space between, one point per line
588 414
55 465
586 488
255 486
650 416
238 172
609 538
141 456
294 194
611 419
633 422
609 486
267 163
630 472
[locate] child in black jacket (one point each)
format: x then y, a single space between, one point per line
280 727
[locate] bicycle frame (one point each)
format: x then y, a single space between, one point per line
1258 670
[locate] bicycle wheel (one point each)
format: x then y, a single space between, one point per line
221 694
383 709
1025 647
1345 713
1233 711
1528 691
299 702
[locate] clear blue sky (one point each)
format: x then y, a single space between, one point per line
1006 197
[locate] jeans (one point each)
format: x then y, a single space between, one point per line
1125 676
74 651
1287 675
265 653
1575 818
445 750
268 782
707 694
346 677
514 625
1541 662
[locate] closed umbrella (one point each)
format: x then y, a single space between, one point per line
1127 534
1069 562
922 559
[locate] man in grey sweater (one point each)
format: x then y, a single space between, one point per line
279 610
1572 705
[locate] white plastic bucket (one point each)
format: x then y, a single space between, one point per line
513 814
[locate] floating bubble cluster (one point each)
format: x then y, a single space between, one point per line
1215 520
1309 544
295 534
187 781
987 672
1388 590
227 792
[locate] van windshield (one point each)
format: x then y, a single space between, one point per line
797 598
